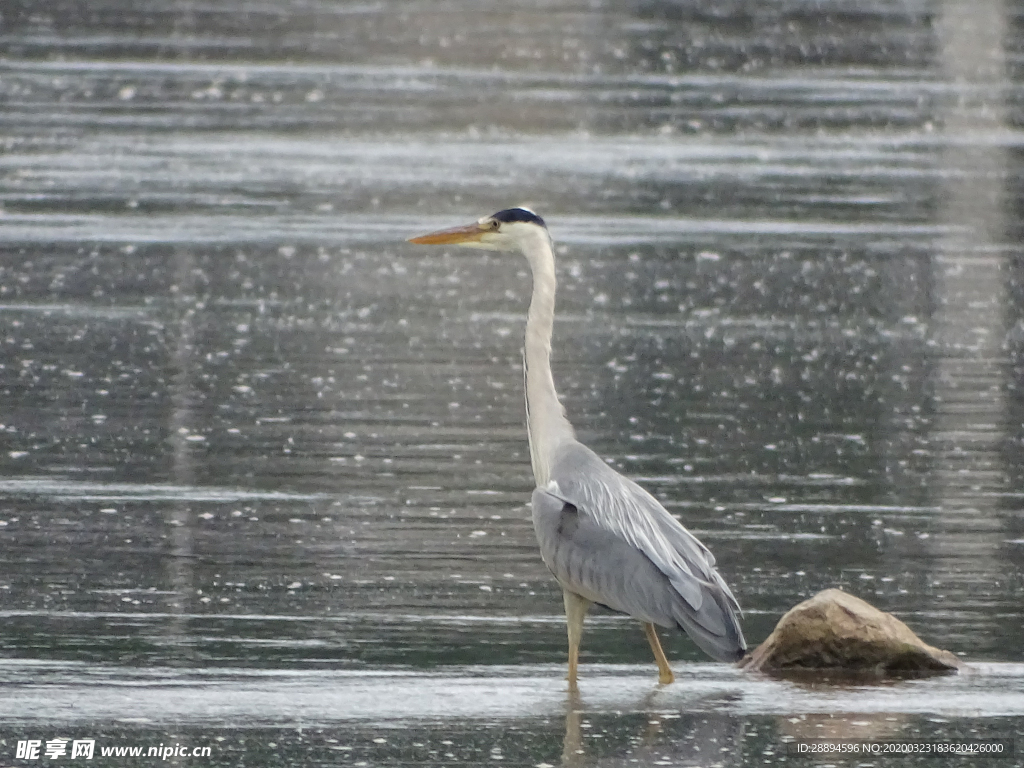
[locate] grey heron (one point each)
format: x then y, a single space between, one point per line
605 539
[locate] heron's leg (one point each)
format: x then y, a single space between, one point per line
576 609
665 675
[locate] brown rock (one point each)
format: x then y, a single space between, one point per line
838 632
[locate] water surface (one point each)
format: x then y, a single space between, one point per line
263 468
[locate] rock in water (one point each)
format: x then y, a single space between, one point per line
838 632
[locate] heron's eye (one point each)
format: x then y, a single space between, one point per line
493 225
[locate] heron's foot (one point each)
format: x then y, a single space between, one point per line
571 677
665 675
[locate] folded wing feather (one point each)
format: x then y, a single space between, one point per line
621 507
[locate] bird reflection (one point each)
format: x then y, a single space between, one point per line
710 738
572 743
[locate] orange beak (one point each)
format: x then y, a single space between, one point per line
469 234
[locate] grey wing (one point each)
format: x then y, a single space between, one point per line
634 553
598 565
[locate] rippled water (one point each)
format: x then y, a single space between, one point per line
263 468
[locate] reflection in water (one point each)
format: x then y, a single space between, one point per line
572 744
179 519
969 316
657 736
469 716
860 727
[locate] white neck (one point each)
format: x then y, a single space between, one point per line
547 424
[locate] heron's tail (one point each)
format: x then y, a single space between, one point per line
715 627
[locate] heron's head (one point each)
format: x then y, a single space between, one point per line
510 230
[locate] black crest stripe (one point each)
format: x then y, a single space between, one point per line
510 215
